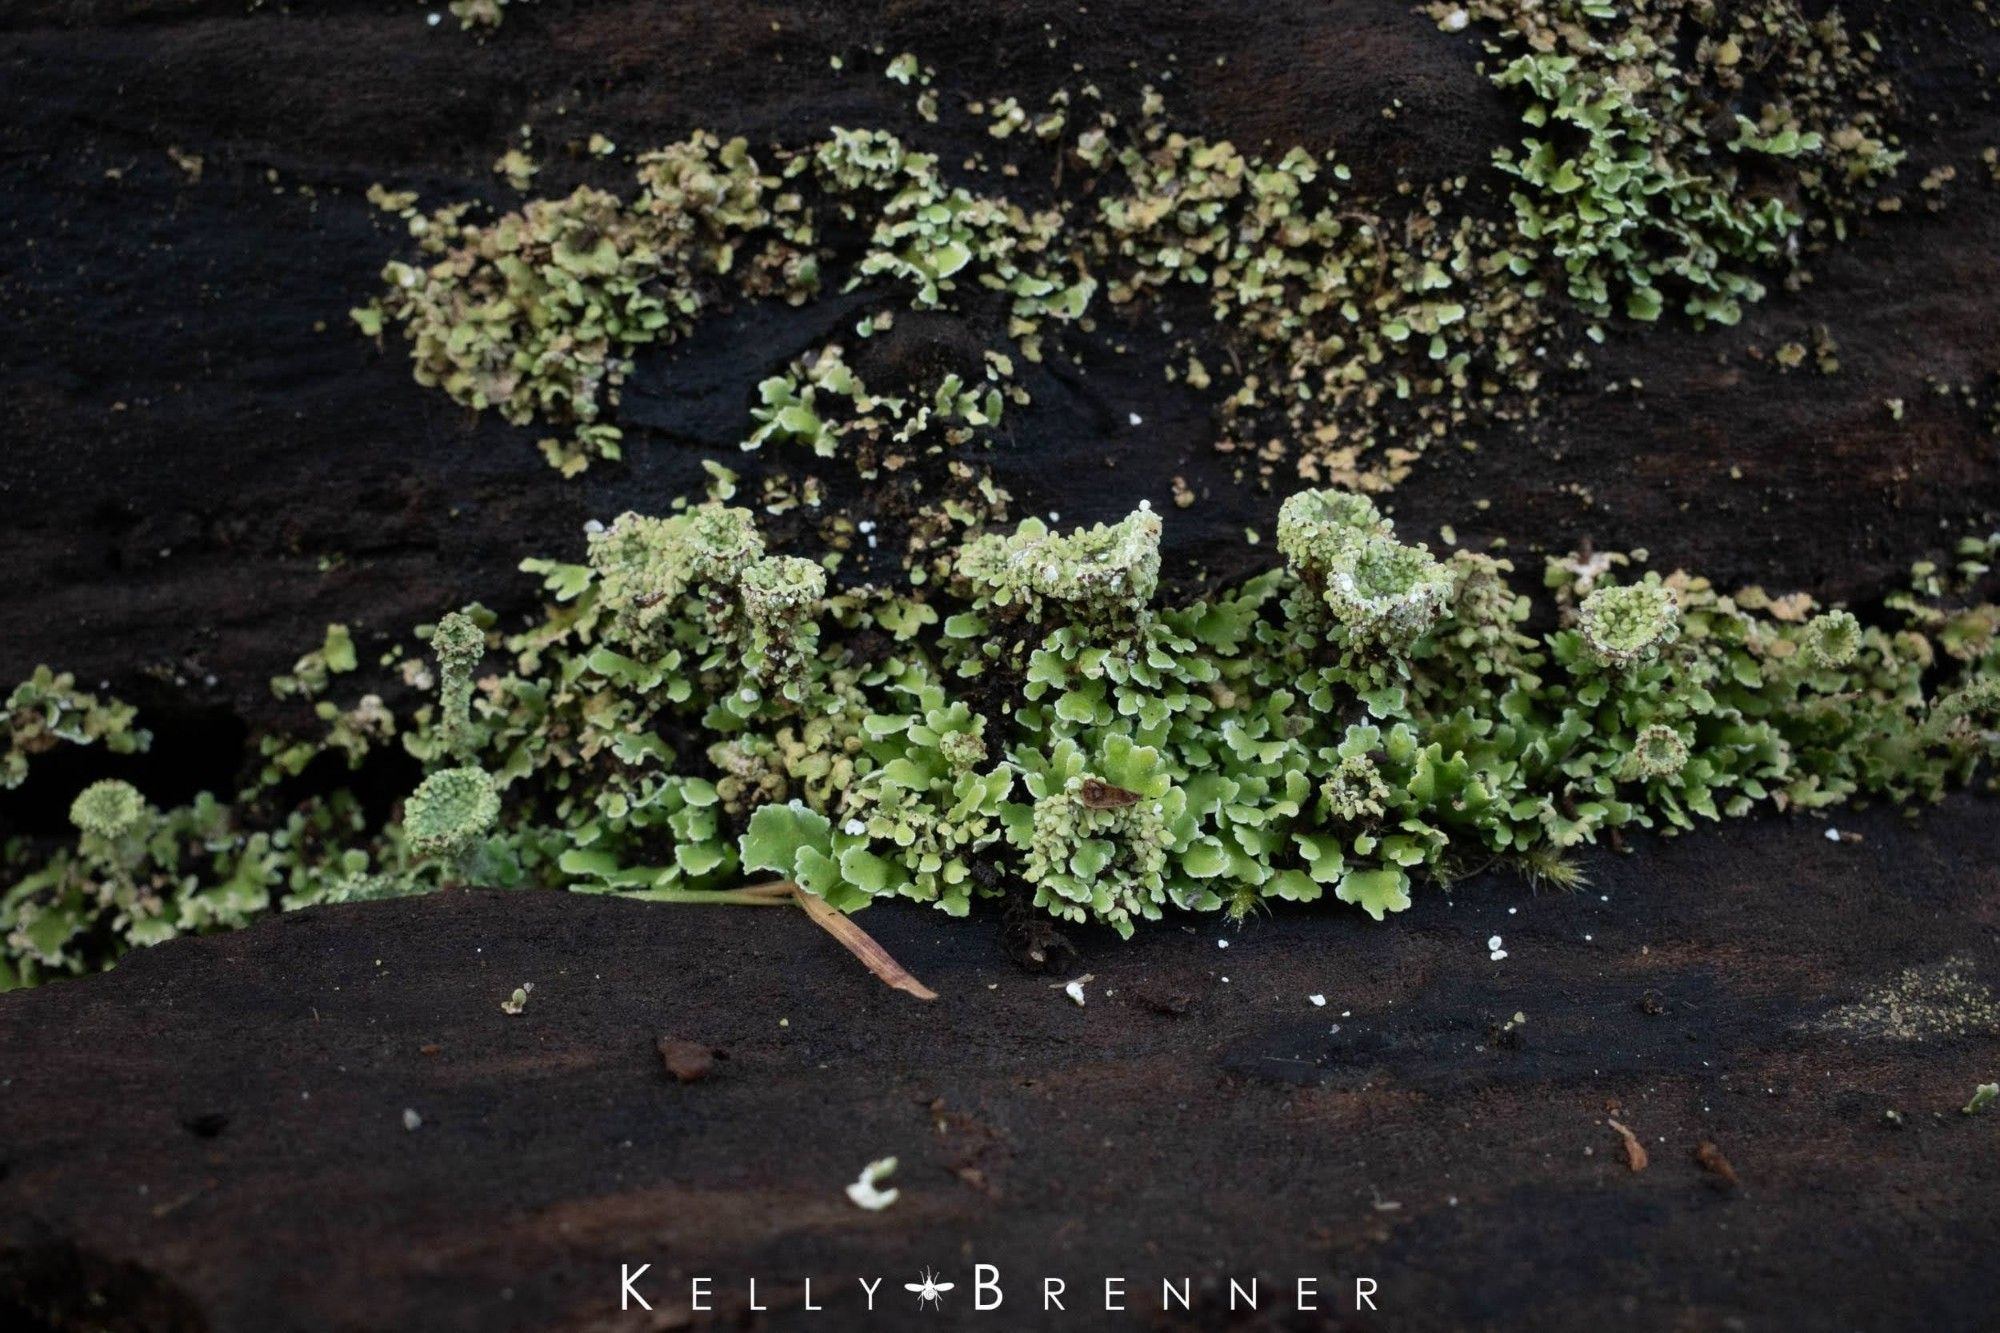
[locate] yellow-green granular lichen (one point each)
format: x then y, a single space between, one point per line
1942 1000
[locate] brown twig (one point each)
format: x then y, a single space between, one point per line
859 943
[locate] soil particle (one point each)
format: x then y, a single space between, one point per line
688 1061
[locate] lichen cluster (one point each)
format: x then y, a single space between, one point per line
47 710
1677 148
1673 155
693 712
1021 716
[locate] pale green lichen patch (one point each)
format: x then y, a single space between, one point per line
1675 150
1358 327
1105 574
450 811
1626 626
47 710
108 810
692 710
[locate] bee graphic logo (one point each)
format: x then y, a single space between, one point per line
930 1291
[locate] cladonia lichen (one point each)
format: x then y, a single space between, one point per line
692 713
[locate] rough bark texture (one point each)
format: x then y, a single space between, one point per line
204 464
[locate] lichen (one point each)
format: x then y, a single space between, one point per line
1357 326
1626 626
1043 720
450 811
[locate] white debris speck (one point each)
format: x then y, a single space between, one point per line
1319 1001
863 1191
1133 417
748 695
1075 991
433 19
1222 944
411 1120
854 827
594 526
1833 835
1493 949
1455 21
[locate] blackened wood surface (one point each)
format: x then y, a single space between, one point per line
217 1127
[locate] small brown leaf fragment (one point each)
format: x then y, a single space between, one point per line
687 1061
1099 795
1710 1159
1635 1151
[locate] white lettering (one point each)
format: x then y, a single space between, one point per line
698 1294
626 1292
1364 1293
1169 1294
809 1295
1114 1289
1052 1290
1251 1294
1308 1293
869 1287
985 1278
753 1295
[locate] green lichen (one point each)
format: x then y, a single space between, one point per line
48 710
450 811
1832 639
109 810
1625 626
1661 165
1104 575
1666 164
1043 721
459 643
